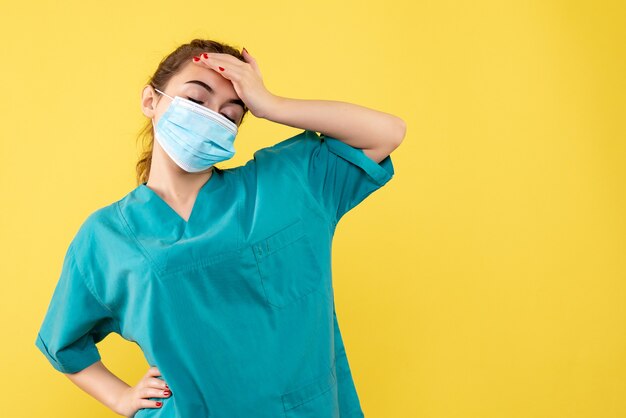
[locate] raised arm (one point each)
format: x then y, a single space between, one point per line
376 133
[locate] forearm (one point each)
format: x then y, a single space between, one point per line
99 382
355 125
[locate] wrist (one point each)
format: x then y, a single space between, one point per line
274 104
118 400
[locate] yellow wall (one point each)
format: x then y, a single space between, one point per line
487 279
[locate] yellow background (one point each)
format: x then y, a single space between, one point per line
486 279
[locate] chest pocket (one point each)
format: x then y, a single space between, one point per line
288 265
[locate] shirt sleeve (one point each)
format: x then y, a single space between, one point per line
338 175
74 322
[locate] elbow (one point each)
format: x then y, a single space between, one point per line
399 132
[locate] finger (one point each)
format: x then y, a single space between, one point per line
153 382
204 61
200 60
250 60
155 393
225 64
213 62
227 58
226 69
146 403
153 371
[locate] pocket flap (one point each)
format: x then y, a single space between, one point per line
309 391
279 239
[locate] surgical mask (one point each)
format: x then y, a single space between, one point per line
195 137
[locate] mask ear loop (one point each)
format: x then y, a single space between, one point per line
164 94
152 119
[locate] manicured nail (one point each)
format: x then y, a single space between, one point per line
221 69
166 392
205 56
196 59
158 404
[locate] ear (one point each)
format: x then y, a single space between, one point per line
149 101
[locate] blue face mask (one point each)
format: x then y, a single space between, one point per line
195 137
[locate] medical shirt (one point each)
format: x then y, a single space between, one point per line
234 306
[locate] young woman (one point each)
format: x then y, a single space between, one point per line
222 276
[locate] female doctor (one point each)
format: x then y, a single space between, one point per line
222 276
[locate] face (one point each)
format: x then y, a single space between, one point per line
197 84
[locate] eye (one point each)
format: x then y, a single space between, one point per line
194 100
230 119
199 102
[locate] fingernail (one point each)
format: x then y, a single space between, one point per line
205 56
158 404
246 50
221 69
166 392
196 59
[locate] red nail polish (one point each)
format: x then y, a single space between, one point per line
158 404
196 59
205 56
221 69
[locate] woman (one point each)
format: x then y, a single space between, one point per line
222 276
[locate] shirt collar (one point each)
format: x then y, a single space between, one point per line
149 216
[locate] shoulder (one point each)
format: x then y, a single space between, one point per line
283 154
296 146
101 229
97 219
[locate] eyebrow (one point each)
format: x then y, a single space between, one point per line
210 90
